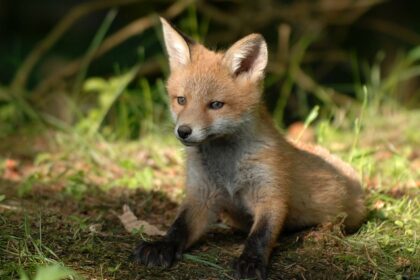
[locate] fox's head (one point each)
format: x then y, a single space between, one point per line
213 94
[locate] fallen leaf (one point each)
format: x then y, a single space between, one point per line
11 164
130 222
11 171
95 228
403 262
379 204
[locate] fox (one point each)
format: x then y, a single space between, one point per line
237 163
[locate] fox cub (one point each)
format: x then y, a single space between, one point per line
238 165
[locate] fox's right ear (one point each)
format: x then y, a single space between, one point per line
247 57
177 46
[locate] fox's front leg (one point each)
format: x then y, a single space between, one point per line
268 214
191 223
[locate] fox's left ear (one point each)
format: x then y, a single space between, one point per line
247 56
177 45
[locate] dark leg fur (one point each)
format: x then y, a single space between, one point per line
254 259
164 252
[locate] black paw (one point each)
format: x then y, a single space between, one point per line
157 253
250 267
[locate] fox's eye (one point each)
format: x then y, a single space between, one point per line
216 105
181 100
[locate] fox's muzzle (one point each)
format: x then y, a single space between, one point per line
184 131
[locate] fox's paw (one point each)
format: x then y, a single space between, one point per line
249 267
157 253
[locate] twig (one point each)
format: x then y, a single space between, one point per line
138 26
284 31
299 13
10 207
217 15
393 29
310 85
134 28
75 14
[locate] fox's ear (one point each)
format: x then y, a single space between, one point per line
247 56
177 45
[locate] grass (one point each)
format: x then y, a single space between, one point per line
59 205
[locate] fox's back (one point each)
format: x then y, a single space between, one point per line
324 186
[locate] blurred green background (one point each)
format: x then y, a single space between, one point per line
99 66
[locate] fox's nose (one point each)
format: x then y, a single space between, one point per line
184 131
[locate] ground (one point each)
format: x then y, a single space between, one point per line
61 194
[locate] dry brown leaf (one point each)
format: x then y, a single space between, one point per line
130 222
379 204
11 164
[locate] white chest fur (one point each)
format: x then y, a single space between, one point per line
224 165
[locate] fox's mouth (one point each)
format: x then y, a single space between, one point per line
190 143
196 143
